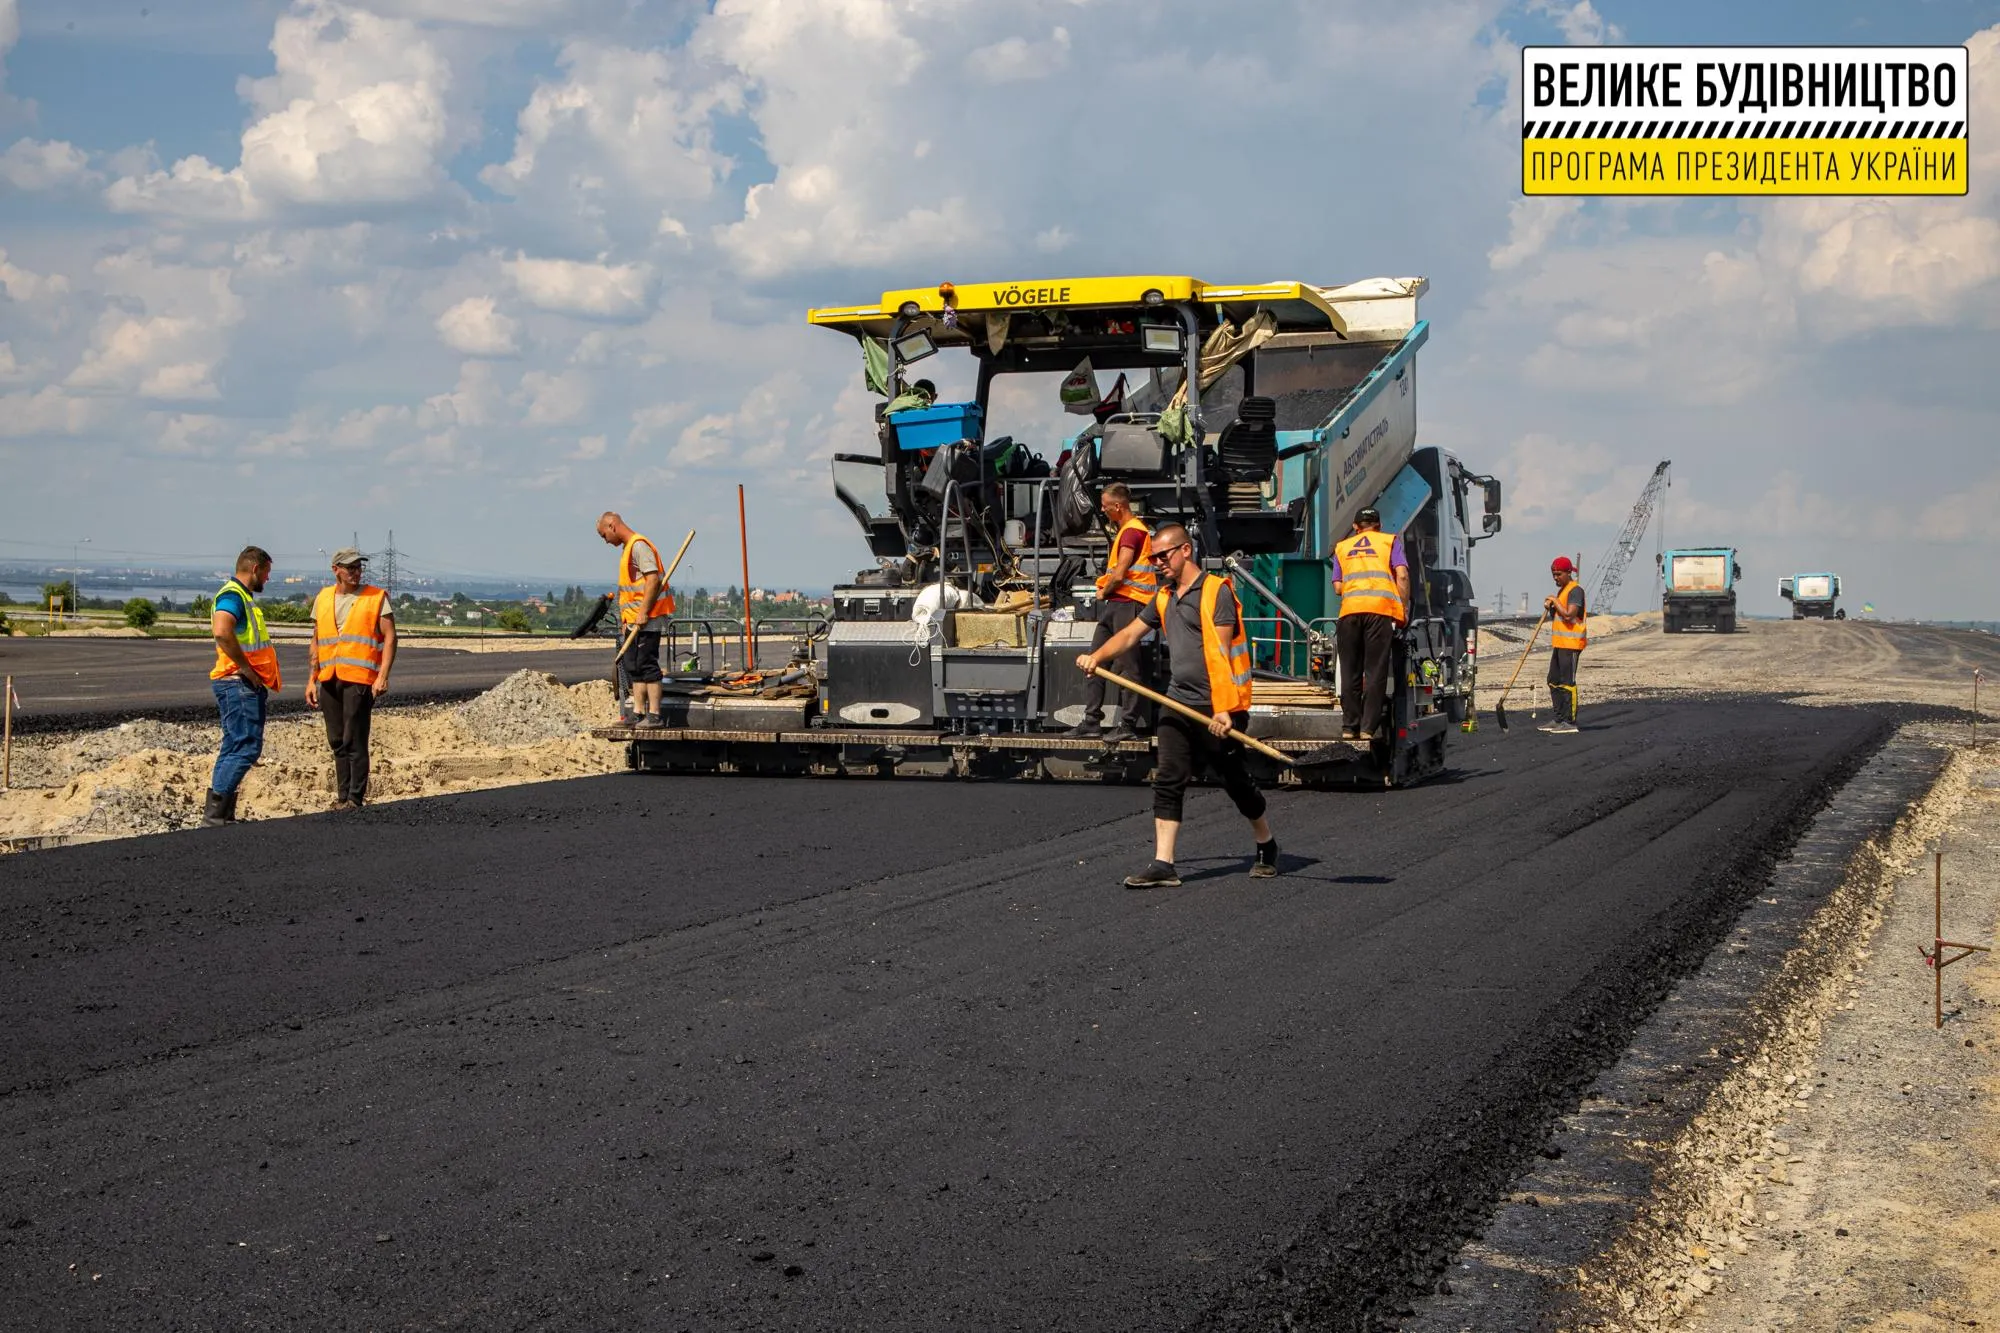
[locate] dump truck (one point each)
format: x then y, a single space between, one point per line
1812 596
1262 416
1698 589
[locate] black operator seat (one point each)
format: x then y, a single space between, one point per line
1248 446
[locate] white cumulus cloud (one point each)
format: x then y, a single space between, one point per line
354 115
574 287
477 327
51 164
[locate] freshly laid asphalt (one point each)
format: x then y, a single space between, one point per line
711 1053
72 682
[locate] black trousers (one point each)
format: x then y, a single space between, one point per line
1185 746
348 708
1562 682
1367 654
1113 616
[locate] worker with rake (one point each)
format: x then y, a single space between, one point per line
1208 655
645 603
1568 633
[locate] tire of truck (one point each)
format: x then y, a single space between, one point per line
1797 614
1726 623
1840 614
1668 623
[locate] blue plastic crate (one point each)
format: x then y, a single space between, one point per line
938 424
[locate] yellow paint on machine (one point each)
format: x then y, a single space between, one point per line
1744 166
1077 293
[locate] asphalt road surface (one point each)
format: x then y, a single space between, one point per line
713 1053
71 682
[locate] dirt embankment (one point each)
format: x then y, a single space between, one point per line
1807 661
149 777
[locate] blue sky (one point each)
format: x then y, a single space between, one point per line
475 270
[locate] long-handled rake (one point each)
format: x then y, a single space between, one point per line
1500 709
1323 755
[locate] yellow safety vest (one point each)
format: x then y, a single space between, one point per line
1228 659
252 637
1367 583
352 652
1568 629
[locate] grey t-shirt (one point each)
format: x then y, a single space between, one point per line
645 562
343 602
1187 664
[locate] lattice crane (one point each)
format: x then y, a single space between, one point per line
1602 590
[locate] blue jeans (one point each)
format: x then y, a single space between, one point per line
242 706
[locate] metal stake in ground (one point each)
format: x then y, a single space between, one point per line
1500 709
1977 676
1934 957
743 530
7 739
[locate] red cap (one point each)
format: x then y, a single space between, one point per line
1561 564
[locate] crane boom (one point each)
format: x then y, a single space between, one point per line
1602 590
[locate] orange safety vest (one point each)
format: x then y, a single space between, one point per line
354 651
252 637
631 585
1228 661
1568 630
1141 583
1367 583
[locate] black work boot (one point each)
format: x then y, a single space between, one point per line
1156 875
214 807
1089 728
229 808
1265 866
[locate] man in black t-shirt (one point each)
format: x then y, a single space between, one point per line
1208 657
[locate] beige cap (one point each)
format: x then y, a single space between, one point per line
347 555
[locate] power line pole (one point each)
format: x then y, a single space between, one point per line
389 571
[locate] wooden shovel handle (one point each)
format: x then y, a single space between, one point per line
1193 714
1524 655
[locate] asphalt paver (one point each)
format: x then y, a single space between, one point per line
75 682
728 1053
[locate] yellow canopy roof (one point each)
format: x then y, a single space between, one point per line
1297 305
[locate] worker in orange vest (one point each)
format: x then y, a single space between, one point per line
1371 577
644 604
244 677
1569 633
353 647
1196 613
1123 590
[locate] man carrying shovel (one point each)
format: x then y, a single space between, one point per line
1208 657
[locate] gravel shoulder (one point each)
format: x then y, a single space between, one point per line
1876 1191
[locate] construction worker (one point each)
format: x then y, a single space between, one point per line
1371 577
1209 655
244 678
353 647
644 603
1122 593
1569 631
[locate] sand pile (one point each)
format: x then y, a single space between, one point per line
149 777
529 707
